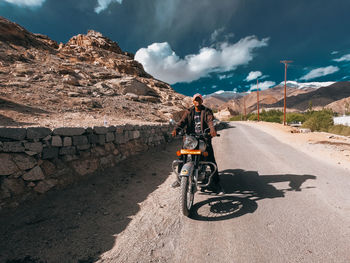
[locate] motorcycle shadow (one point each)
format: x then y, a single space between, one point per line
242 191
222 208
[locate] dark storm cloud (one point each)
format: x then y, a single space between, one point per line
134 23
304 31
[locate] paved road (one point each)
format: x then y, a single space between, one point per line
280 206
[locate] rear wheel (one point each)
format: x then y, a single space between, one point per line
186 196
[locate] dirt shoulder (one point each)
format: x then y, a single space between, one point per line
327 147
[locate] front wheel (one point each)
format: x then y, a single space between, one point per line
187 195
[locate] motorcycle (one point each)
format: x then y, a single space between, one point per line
193 172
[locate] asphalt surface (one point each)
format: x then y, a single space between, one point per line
280 205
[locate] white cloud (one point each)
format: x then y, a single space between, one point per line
263 85
302 85
103 4
320 72
253 75
26 3
343 58
162 62
225 76
216 33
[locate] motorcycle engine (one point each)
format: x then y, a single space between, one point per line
204 172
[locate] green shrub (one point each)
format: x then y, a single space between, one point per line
340 129
274 118
237 118
253 117
295 117
319 120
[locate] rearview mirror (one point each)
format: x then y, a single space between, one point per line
172 122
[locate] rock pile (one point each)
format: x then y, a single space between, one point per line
43 81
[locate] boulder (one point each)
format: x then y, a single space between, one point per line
44 186
135 134
131 85
131 96
36 147
69 150
93 138
100 130
48 168
38 132
112 129
110 137
24 162
67 141
83 147
109 147
69 131
70 80
34 174
15 186
49 153
86 166
101 139
13 133
14 147
152 99
56 141
80 140
7 166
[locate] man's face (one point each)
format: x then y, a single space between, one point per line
197 102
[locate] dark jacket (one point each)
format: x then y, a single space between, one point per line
187 120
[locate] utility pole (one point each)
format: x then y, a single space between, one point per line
285 62
257 96
245 109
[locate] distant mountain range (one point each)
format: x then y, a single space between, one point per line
299 97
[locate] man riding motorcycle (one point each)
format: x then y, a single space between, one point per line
196 119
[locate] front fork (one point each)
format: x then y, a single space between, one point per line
189 169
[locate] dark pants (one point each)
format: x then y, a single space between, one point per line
211 158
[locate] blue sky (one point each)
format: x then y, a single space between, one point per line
205 45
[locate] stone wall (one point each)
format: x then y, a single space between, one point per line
35 160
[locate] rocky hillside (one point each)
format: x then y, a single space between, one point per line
341 106
298 99
87 81
319 98
266 97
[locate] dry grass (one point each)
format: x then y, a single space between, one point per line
340 129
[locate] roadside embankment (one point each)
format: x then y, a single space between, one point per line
35 160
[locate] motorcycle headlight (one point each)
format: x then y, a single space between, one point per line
190 142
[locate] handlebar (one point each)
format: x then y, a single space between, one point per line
205 134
